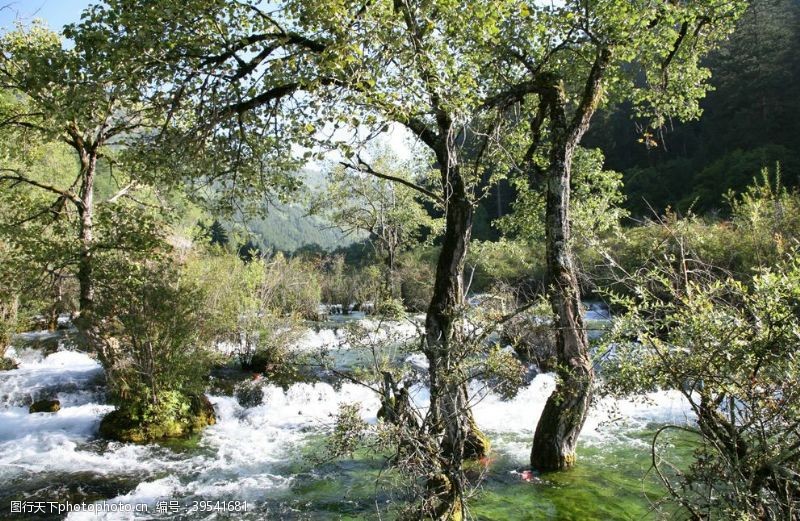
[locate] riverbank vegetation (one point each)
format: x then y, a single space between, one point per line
142 146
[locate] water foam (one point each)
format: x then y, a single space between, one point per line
249 452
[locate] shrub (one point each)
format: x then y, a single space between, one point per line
532 336
505 261
730 348
416 272
291 286
766 218
349 285
154 343
391 308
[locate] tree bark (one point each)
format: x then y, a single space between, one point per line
86 232
450 414
440 322
565 411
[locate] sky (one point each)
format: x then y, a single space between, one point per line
56 13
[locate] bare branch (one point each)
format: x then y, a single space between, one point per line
363 166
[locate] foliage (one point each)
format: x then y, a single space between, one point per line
156 335
767 218
385 210
360 287
349 430
729 348
9 299
416 277
391 308
762 228
531 336
504 262
751 119
253 309
734 172
292 286
596 202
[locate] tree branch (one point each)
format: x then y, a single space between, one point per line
9 174
363 166
591 95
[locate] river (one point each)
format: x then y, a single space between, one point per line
255 462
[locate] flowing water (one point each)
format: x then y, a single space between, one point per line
257 458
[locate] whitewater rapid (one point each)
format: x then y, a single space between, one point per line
252 454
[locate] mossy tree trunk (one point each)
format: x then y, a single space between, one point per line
565 412
451 417
86 228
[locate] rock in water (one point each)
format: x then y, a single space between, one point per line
45 406
128 426
6 364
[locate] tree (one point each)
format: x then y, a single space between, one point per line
217 234
574 57
282 73
597 202
752 114
69 96
36 232
388 212
729 348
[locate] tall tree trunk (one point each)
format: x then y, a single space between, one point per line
86 232
565 411
450 414
564 414
440 322
86 321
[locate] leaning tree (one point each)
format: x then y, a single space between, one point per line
573 58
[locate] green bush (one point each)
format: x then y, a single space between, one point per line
503 262
292 286
154 336
345 285
416 273
730 348
766 219
391 308
764 225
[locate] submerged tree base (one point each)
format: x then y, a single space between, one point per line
477 444
444 504
45 406
127 426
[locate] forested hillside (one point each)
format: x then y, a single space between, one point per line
750 120
289 227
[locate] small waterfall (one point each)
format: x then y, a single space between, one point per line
252 453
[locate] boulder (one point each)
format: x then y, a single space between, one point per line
6 364
45 406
